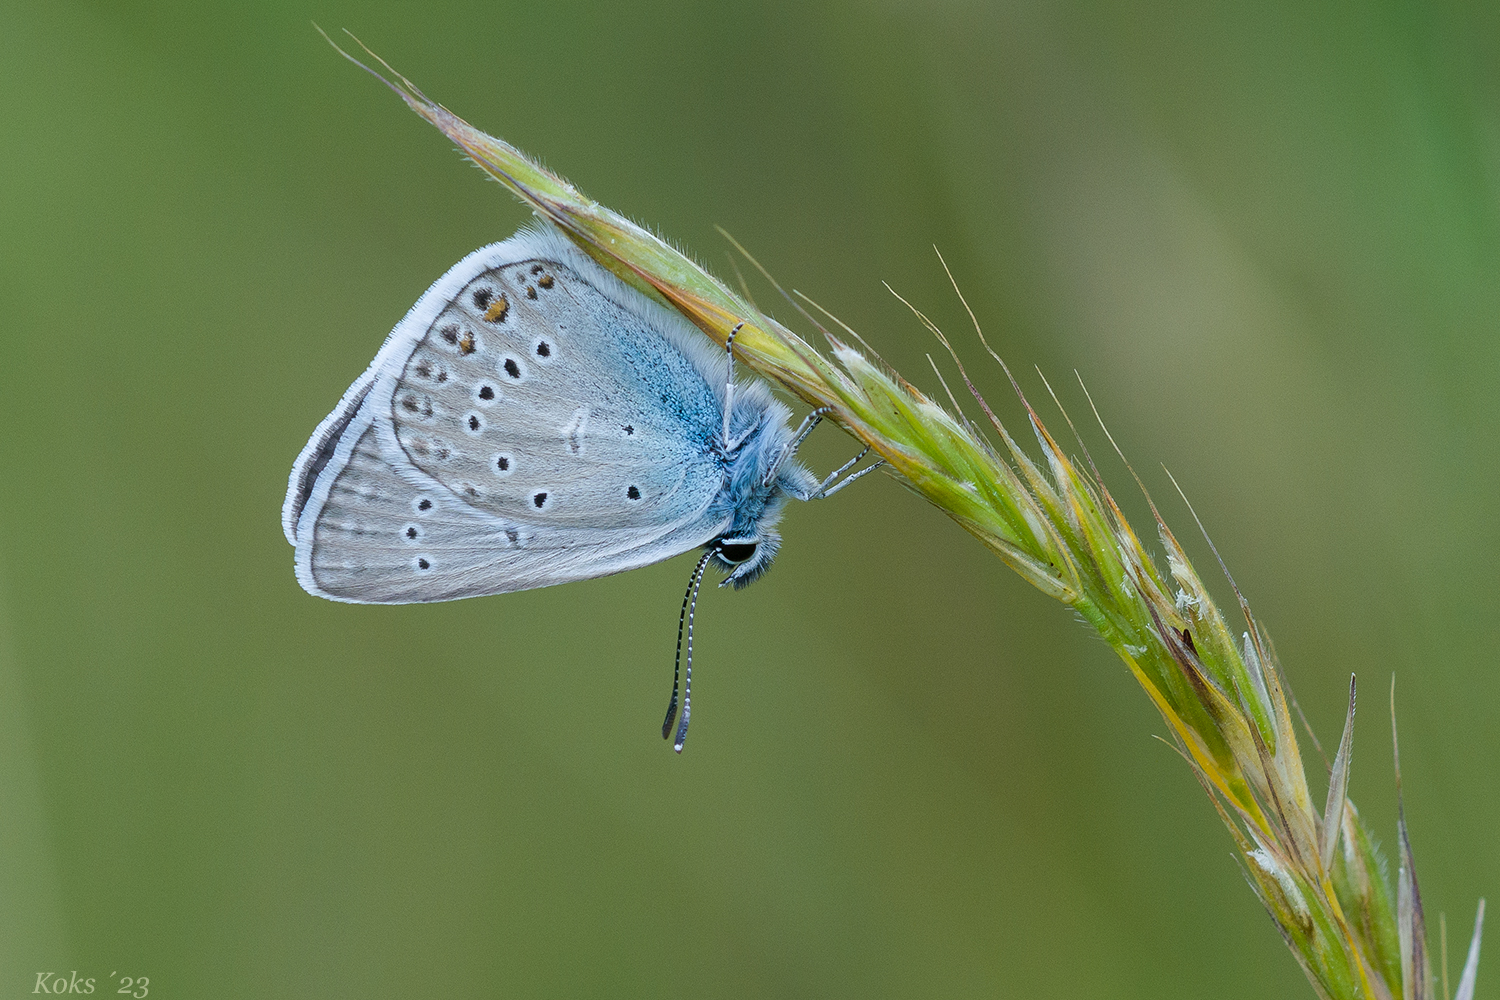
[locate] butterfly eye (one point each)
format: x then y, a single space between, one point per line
736 552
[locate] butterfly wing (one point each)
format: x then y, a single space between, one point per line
531 421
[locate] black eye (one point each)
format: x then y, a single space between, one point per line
736 552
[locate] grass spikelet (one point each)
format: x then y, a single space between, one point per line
1219 689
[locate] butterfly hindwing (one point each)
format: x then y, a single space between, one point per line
379 538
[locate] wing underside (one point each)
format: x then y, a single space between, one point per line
520 428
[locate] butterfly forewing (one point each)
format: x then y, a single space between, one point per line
534 396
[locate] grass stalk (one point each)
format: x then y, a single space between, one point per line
1222 695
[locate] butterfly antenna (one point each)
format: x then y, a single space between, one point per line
685 624
729 384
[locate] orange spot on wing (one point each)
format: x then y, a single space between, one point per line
496 312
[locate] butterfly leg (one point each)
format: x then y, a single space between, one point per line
824 491
809 422
729 388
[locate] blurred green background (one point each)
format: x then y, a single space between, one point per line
1266 235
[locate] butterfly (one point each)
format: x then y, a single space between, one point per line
533 420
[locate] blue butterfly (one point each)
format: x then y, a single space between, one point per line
534 420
